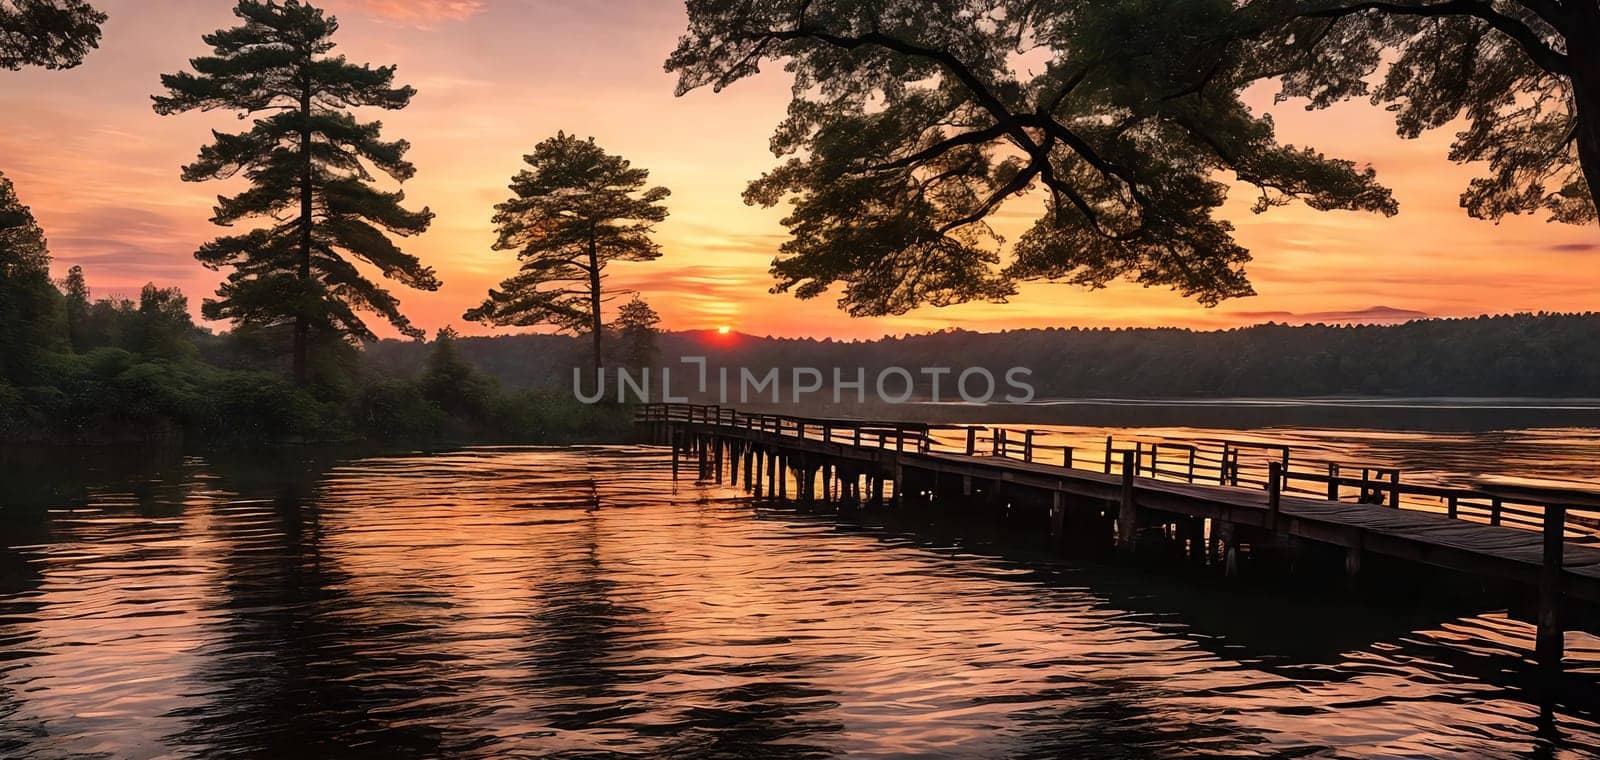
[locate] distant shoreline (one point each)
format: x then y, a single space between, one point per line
1436 414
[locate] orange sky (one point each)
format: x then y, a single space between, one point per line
100 170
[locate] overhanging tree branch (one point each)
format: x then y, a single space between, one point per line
1540 51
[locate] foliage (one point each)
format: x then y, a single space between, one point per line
1523 76
54 34
574 211
393 410
30 308
636 329
1534 355
75 289
454 386
307 160
913 123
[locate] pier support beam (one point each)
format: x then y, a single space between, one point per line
1127 511
1058 521
716 453
1550 641
677 449
753 467
1230 548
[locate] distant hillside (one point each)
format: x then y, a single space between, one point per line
1536 355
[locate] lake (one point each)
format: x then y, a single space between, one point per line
576 602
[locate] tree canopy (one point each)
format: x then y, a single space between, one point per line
29 305
307 159
575 210
914 121
636 328
1522 75
53 34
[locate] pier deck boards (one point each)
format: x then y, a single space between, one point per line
1493 552
1506 552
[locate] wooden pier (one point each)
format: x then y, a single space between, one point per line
1210 503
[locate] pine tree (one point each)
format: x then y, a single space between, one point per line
307 160
76 290
636 331
575 210
54 34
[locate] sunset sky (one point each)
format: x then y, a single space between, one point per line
100 170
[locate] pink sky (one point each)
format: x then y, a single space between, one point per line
100 171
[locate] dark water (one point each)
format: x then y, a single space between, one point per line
578 603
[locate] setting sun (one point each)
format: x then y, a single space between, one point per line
724 330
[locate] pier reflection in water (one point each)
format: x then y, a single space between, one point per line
577 602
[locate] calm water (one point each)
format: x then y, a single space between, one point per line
578 603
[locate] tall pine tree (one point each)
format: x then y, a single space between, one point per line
307 159
575 210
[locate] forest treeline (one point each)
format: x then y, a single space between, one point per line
892 169
1542 355
77 369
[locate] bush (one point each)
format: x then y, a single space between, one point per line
254 407
396 410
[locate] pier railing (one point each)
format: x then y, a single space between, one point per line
1211 461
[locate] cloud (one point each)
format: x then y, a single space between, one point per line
1573 247
422 13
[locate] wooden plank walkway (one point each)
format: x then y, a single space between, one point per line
1537 556
1519 552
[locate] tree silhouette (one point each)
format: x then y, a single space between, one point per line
913 122
574 211
54 34
635 328
1524 75
29 303
307 160
76 290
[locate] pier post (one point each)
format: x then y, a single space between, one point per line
1127 514
783 476
972 441
899 494
1549 642
1230 548
1333 481
677 449
717 445
1058 520
752 468
750 475
1274 494
772 473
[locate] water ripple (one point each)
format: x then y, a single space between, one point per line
538 602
